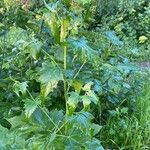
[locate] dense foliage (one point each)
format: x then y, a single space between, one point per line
71 75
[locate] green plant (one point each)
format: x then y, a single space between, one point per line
132 129
62 80
36 62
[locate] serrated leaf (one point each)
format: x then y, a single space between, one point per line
50 75
35 48
16 121
86 101
53 25
81 46
64 28
87 87
92 96
94 144
47 88
20 87
30 106
81 119
142 39
96 128
50 72
73 101
77 86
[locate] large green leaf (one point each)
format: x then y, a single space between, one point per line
90 95
30 106
81 46
94 144
73 101
35 48
81 119
50 75
20 87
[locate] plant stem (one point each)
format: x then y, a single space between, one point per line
65 82
65 57
65 88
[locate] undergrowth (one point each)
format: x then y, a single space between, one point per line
70 78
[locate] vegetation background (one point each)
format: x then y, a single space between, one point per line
74 75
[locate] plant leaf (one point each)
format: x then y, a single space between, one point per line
20 87
94 144
30 106
35 48
81 119
113 38
87 87
85 51
73 101
49 77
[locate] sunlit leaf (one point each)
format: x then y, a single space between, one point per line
50 75
20 87
81 46
35 48
73 101
30 106
87 87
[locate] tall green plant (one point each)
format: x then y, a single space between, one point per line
40 126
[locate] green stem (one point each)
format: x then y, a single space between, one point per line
65 82
65 88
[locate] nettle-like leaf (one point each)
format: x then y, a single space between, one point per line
96 128
14 34
73 101
90 95
81 119
35 48
86 99
30 106
49 87
9 140
81 46
87 87
50 75
80 122
64 27
77 85
20 87
94 144
53 24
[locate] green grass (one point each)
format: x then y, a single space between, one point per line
126 131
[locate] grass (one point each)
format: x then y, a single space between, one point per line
126 131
